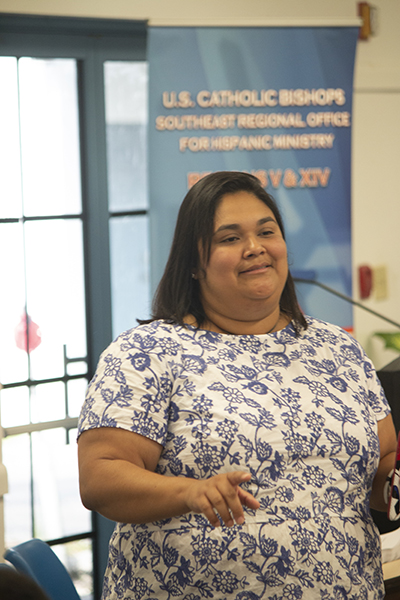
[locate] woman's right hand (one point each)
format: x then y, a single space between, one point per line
220 495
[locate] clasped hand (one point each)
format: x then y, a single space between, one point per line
221 495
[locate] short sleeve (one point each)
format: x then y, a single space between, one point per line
131 387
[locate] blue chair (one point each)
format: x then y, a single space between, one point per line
36 559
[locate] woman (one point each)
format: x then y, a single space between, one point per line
237 444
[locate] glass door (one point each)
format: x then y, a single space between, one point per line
73 257
43 350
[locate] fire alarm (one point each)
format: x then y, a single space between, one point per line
365 281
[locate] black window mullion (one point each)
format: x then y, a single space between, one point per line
95 205
96 250
128 213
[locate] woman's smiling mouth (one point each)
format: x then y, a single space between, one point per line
255 269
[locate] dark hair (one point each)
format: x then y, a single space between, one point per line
178 294
17 586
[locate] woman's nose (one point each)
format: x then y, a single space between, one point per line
253 247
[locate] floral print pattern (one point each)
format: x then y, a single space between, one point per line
299 413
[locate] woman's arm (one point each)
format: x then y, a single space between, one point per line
117 479
388 443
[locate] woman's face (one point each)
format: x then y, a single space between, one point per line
248 259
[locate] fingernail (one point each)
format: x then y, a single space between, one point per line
240 520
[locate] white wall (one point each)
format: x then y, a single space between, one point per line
376 169
376 125
187 11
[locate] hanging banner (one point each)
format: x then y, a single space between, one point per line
275 102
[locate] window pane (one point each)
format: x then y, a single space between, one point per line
76 396
49 136
77 368
58 508
10 172
72 436
15 406
48 402
17 502
13 359
54 257
77 558
129 271
126 125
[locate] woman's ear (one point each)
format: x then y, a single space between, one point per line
198 274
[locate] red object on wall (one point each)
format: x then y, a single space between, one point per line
365 281
23 333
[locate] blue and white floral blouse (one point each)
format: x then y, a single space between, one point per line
299 413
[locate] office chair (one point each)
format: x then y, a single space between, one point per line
36 559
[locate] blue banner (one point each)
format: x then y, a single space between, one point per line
276 102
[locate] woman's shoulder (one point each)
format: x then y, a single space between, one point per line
149 335
315 324
331 333
156 329
156 340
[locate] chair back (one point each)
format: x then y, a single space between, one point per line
36 559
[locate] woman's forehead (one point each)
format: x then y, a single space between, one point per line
239 208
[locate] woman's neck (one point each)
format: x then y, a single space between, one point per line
269 324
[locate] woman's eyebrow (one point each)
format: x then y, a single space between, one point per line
236 226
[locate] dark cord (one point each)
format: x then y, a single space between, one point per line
346 298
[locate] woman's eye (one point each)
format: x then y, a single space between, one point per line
267 232
232 238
